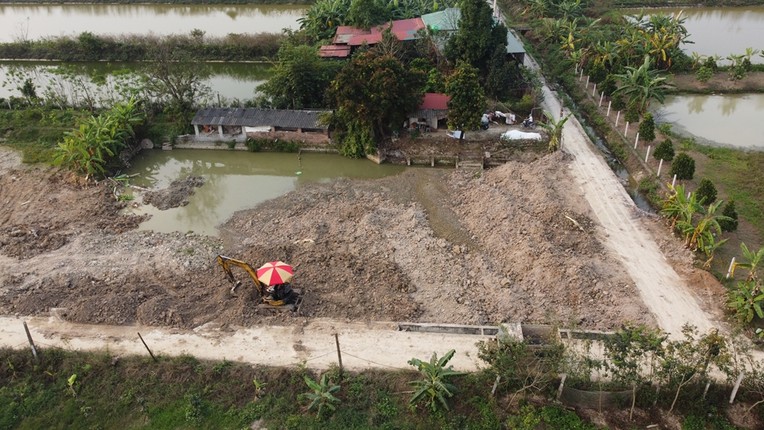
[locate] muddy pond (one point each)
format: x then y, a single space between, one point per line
235 180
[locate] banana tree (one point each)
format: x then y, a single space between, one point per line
752 262
555 131
707 225
641 85
434 388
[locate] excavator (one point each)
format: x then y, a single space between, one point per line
279 297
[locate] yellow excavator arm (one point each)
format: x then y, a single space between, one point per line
285 297
227 262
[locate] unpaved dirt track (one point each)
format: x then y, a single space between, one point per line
666 295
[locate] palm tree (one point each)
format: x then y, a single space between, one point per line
641 85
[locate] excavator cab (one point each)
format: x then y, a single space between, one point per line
279 296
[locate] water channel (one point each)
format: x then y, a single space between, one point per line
720 30
225 80
236 180
31 22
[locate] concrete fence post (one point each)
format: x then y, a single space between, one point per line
617 117
729 270
660 165
647 154
587 81
636 141
673 182
594 89
626 130
601 96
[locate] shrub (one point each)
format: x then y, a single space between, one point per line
706 192
647 128
683 166
664 151
632 113
729 211
704 74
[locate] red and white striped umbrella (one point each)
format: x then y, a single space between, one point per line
275 272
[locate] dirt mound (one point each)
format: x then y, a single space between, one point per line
175 195
431 245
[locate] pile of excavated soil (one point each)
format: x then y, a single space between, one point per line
514 243
175 195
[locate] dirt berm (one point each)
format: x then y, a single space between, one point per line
514 243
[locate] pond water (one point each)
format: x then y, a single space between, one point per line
236 180
226 80
727 120
30 22
721 30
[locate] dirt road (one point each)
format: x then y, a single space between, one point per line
660 287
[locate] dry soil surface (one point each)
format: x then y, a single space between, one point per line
513 243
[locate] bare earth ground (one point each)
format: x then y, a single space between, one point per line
429 245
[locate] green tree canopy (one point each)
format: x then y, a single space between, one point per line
467 99
477 37
706 192
300 79
373 95
367 13
647 128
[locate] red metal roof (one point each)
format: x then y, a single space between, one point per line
435 101
403 29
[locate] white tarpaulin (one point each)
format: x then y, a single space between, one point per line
520 135
261 129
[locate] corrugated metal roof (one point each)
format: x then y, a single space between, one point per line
444 20
435 101
514 46
251 117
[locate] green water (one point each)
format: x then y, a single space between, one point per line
101 80
236 180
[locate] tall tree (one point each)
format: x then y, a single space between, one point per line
467 99
373 95
477 37
300 79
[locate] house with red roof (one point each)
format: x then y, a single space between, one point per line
432 112
348 38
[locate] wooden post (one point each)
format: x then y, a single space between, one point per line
636 140
730 270
660 164
147 348
339 354
647 154
609 103
617 117
737 385
31 342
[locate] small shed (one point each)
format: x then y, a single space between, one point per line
228 122
433 109
515 47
